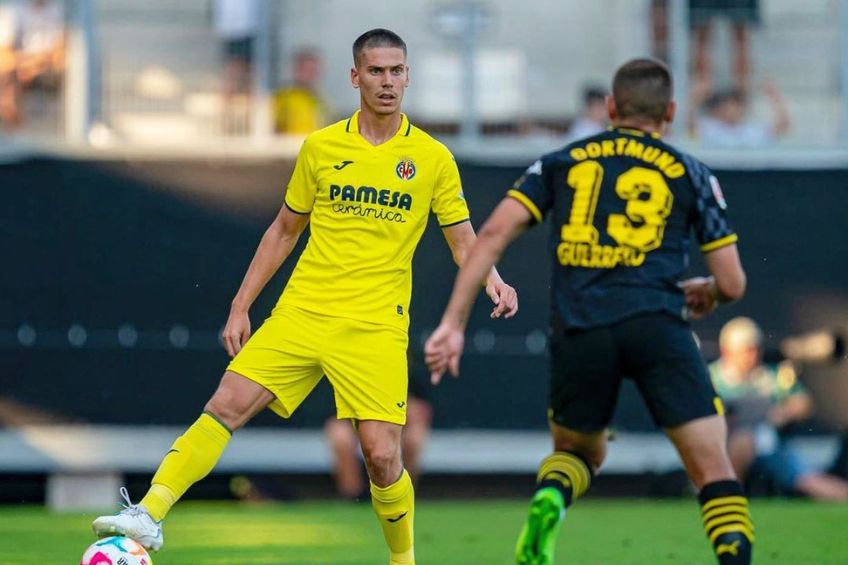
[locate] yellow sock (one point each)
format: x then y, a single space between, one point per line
727 521
566 472
193 455
395 508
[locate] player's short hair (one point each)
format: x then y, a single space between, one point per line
740 333
377 37
642 88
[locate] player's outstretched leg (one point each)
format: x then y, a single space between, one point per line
563 476
192 456
393 498
727 521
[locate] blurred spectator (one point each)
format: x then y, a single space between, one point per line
594 117
348 469
725 121
237 25
298 107
659 29
760 401
32 53
742 15
822 346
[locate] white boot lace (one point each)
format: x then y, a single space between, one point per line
130 508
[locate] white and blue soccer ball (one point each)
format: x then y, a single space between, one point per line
116 550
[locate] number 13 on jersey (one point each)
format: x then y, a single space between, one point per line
638 231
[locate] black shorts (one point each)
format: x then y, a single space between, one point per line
657 351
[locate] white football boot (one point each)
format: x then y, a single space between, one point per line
134 522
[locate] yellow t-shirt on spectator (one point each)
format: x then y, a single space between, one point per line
299 110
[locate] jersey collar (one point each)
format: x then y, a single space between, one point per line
352 125
634 131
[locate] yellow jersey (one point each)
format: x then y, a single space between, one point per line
369 206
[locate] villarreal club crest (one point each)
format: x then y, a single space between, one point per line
405 169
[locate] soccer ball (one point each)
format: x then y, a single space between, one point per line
116 550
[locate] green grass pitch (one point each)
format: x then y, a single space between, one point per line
450 532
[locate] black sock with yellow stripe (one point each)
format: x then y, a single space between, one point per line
567 472
724 509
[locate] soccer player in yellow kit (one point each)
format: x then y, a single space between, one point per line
367 185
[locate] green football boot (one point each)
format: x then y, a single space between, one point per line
538 537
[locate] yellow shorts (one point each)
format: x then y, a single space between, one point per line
366 363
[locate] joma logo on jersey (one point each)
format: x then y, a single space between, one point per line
370 195
405 169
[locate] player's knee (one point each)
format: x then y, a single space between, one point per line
381 459
227 409
592 455
236 400
224 412
592 448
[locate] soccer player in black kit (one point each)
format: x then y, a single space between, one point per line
622 205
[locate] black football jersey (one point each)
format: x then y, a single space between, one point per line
623 205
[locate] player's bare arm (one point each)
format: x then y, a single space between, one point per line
275 246
461 239
726 284
444 348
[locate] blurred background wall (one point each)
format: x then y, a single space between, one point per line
120 275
